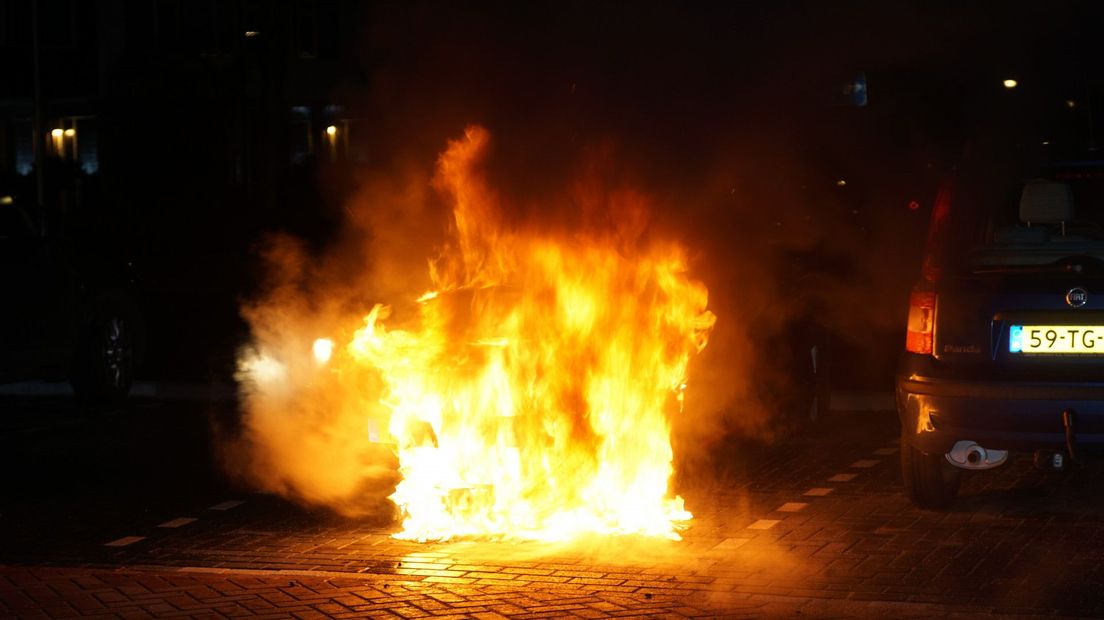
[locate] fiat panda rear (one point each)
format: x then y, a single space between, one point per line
1004 351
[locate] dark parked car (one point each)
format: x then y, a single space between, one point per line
1005 341
64 314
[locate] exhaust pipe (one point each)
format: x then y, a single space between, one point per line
975 454
969 455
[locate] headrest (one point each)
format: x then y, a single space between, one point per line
1046 202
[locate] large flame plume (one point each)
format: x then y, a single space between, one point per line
531 392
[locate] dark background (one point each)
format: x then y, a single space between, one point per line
200 127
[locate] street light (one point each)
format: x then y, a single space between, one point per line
1010 83
59 141
331 131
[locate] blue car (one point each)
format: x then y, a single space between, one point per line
1005 340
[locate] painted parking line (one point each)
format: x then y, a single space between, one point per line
818 491
124 541
843 478
792 507
179 522
865 464
730 544
764 524
227 505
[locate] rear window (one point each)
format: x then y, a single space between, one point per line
981 229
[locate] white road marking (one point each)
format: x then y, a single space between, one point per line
792 507
763 524
818 491
180 522
843 478
227 505
865 464
124 541
730 544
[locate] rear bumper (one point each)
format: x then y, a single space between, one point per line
937 412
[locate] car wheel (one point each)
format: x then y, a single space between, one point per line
931 482
104 368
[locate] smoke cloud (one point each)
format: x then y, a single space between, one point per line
646 138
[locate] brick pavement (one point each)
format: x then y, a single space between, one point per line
818 526
159 593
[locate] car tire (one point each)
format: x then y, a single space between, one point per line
931 482
104 359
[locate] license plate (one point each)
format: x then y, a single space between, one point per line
1057 339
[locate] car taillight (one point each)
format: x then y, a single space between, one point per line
921 322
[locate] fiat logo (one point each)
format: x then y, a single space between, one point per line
1077 297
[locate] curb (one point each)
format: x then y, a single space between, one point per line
188 392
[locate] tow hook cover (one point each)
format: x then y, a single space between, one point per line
1050 460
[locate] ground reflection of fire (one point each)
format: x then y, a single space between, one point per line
532 396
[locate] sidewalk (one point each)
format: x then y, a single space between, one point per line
161 390
221 392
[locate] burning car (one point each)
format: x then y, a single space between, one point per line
529 394
1005 341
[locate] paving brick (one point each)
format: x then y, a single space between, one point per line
448 580
486 575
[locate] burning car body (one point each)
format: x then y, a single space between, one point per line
528 394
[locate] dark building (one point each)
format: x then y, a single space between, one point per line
174 131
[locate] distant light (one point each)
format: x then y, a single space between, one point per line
323 350
6 200
331 131
1071 104
841 183
913 205
251 33
1046 142
69 133
1010 83
57 133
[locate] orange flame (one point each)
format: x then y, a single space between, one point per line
532 396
